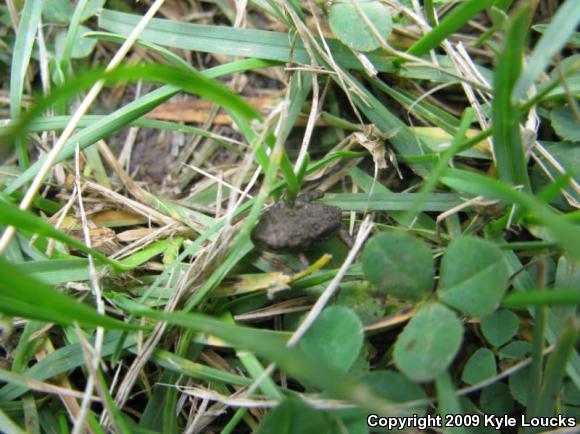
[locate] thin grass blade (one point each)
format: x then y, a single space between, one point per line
25 37
508 146
449 25
561 28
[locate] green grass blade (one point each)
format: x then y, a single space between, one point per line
21 295
424 223
99 130
31 415
540 314
26 347
268 344
507 140
556 368
430 13
11 215
72 36
449 25
254 367
60 361
230 41
58 123
561 27
392 201
115 414
405 142
9 425
240 248
564 232
118 119
523 282
58 271
119 39
146 254
186 367
430 112
552 296
439 169
25 37
447 400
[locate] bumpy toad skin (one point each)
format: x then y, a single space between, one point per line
294 229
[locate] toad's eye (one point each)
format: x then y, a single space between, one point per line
315 226
291 214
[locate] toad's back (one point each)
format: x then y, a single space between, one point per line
285 229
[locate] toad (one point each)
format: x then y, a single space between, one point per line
286 228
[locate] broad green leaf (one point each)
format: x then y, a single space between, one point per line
336 336
273 46
561 28
294 416
82 46
395 387
571 393
57 11
69 44
567 276
428 343
352 29
368 307
567 273
499 327
480 366
519 385
474 276
21 295
508 146
565 123
400 265
515 350
496 399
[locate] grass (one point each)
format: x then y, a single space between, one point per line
132 299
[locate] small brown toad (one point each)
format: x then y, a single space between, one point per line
285 228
